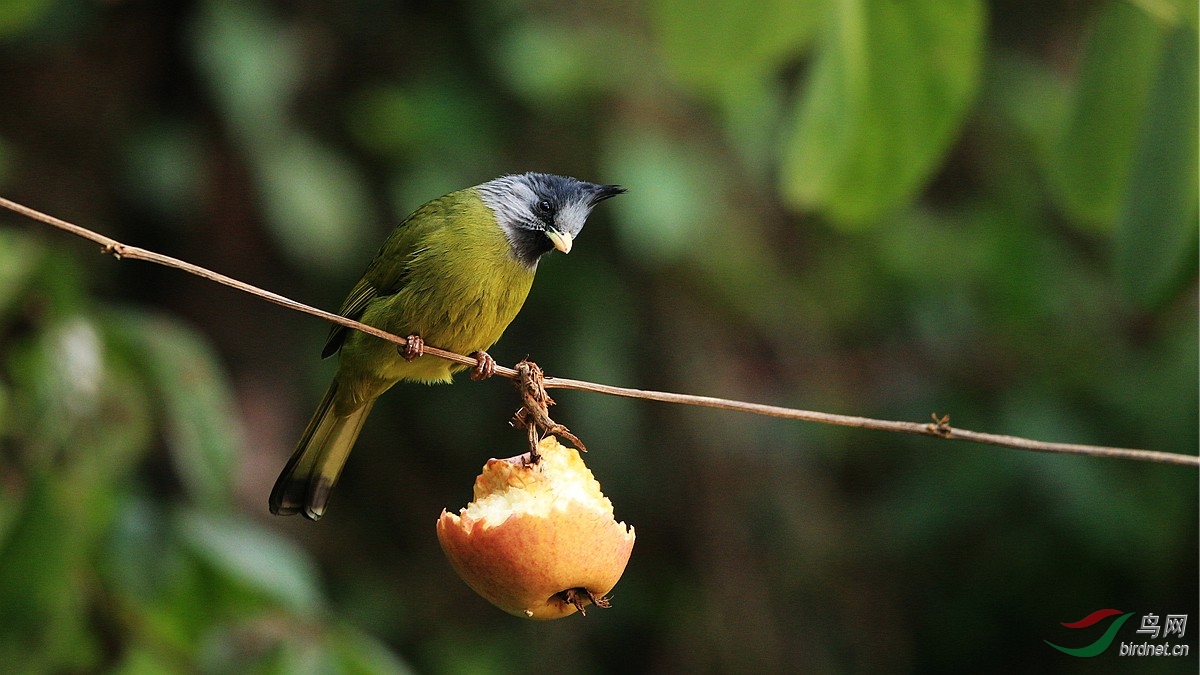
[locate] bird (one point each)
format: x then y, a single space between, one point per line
453 274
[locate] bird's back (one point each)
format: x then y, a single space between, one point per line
446 274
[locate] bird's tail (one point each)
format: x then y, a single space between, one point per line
308 479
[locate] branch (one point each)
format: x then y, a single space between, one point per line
125 252
939 427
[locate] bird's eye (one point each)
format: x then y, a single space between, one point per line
544 207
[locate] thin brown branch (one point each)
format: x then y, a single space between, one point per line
939 427
125 252
534 414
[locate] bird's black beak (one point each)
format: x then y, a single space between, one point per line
602 192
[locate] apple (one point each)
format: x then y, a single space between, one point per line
539 539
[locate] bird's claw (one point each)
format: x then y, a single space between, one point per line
414 346
485 366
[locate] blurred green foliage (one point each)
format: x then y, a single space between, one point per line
872 207
102 572
889 86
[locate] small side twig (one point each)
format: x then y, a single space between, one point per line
534 415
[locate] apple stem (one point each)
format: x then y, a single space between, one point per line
582 597
534 413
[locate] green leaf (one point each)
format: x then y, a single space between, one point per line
252 66
42 591
197 402
437 116
139 660
108 443
664 218
1156 230
548 63
20 258
712 44
253 555
891 85
138 557
358 653
60 383
1168 12
19 15
1091 164
314 200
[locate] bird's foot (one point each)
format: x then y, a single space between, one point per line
485 366
413 347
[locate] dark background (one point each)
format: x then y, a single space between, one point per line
887 208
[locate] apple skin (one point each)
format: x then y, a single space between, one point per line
539 540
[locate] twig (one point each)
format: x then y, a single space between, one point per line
125 252
938 428
534 414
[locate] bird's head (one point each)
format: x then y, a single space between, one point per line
539 212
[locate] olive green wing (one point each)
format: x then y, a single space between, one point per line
387 272
352 308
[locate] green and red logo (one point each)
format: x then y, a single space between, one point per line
1103 641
